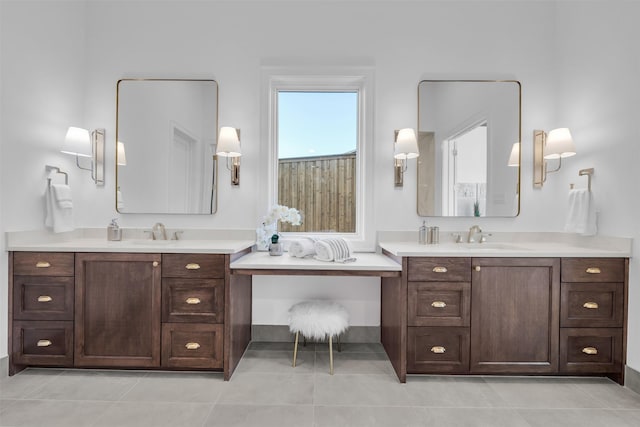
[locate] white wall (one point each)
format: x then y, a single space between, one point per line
228 41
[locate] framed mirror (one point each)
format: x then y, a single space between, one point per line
469 142
166 133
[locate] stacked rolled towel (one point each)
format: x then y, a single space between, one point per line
335 249
301 248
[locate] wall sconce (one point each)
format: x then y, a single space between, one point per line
514 157
558 144
121 155
229 147
405 147
80 143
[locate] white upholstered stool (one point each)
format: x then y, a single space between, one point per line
318 320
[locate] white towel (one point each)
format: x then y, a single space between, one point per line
119 201
58 204
301 248
336 249
581 213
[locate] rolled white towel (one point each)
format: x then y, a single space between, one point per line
335 249
301 248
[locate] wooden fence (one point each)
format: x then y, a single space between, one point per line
323 189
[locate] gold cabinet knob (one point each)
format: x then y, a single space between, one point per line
44 298
477 268
438 349
192 346
440 269
590 350
44 343
192 300
438 304
593 270
590 305
192 266
43 264
156 263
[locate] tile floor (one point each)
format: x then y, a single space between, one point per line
266 391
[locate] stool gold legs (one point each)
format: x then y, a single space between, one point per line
330 355
295 350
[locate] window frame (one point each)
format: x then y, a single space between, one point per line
340 80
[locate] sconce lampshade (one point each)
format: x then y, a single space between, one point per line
228 143
514 157
122 155
77 142
406 146
559 144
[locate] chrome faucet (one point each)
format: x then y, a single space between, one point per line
472 232
158 227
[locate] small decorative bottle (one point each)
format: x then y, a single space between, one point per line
422 234
275 247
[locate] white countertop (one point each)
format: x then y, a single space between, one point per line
368 261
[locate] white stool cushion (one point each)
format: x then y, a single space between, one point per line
318 319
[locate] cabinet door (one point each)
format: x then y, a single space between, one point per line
515 315
117 321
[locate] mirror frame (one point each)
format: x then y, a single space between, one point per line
214 196
519 173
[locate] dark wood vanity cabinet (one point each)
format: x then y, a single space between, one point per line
516 315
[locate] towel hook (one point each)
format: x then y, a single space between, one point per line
587 172
56 169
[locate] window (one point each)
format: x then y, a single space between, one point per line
317 129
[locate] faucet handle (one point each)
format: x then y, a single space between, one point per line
176 234
151 233
483 237
457 237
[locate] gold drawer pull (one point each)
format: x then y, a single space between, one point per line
192 300
438 349
192 266
192 346
43 264
477 268
44 298
590 350
155 263
44 343
440 269
593 270
438 304
590 305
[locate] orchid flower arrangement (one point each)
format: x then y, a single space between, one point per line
269 227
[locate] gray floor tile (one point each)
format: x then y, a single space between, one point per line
610 394
476 417
528 392
361 390
153 414
369 416
196 387
88 385
267 361
354 347
354 363
269 389
50 413
578 418
279 346
26 382
452 391
260 416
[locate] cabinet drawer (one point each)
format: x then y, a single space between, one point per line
436 350
43 343
193 300
43 264
439 269
192 345
42 298
591 350
593 270
439 303
592 305
193 265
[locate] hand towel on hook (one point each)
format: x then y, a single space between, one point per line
581 213
59 206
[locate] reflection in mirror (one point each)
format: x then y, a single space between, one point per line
466 132
168 129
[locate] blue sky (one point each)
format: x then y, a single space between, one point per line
316 123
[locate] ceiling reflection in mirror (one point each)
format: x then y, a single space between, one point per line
466 135
166 132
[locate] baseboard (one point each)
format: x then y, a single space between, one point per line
632 379
280 333
4 367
